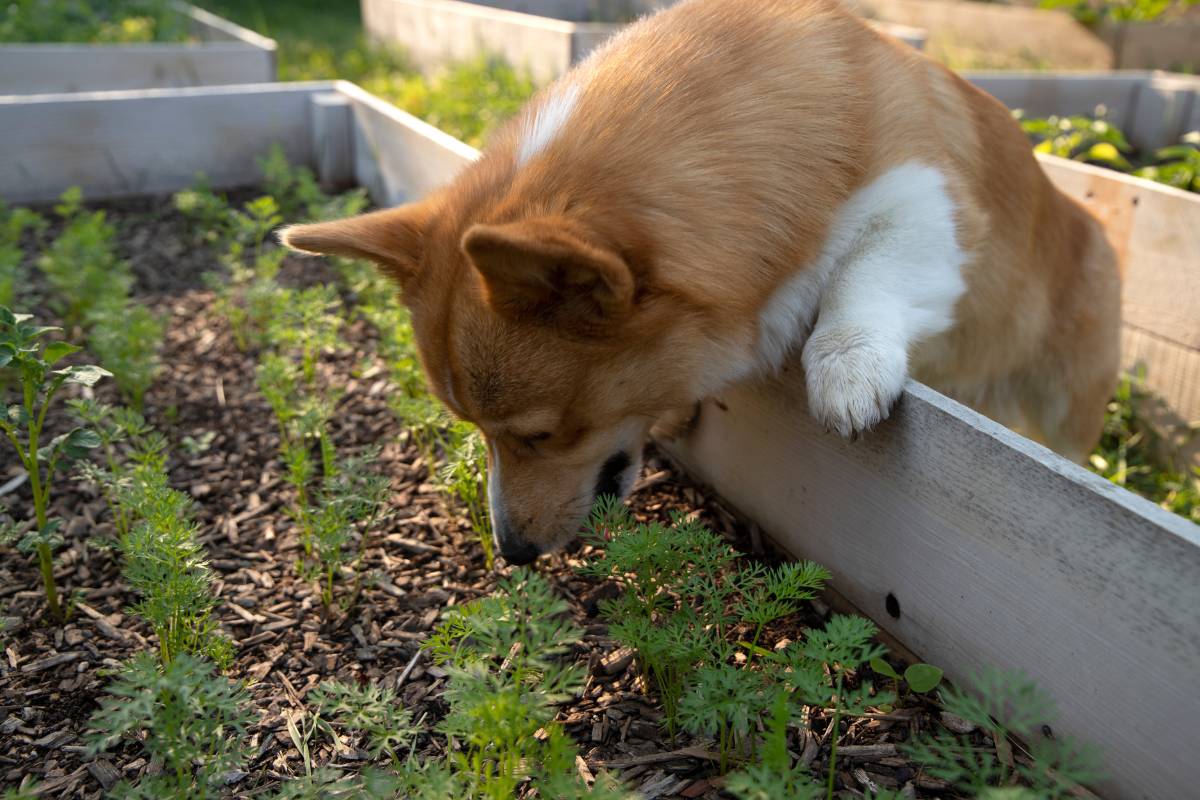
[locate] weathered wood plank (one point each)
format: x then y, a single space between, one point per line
141 142
998 553
398 157
1156 230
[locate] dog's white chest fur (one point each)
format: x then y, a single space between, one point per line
888 277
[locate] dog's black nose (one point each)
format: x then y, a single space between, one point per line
519 553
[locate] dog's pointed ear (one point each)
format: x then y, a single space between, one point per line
541 269
392 238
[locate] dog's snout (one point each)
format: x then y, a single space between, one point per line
518 552
609 482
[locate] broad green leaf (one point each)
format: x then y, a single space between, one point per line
55 351
923 678
86 375
77 443
7 351
882 667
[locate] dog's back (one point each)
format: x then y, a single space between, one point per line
720 185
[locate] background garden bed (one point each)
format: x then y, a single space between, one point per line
544 37
422 560
222 53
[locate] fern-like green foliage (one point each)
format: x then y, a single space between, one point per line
683 598
370 712
508 670
1005 705
166 565
187 717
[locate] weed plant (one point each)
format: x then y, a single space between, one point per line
29 363
1092 139
188 718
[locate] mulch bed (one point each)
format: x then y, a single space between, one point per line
421 560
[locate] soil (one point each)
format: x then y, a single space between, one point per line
423 559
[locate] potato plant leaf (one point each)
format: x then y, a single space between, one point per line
56 351
86 375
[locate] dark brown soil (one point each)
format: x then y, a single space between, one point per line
423 559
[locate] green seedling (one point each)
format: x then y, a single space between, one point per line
188 719
299 195
127 337
307 323
1056 765
81 264
1137 454
26 356
15 223
921 678
127 443
372 713
464 477
165 564
505 656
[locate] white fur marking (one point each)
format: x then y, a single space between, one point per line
896 277
544 124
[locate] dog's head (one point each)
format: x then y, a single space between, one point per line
545 328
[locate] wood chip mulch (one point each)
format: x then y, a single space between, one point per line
421 560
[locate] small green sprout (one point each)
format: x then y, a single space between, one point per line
24 355
921 678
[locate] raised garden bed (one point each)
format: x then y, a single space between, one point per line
971 545
222 452
216 52
1153 227
545 37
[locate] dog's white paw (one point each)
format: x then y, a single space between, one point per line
854 376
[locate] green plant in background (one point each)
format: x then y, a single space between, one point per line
467 100
321 40
92 21
1090 139
26 357
1056 764
1178 165
127 337
14 223
81 264
1132 453
307 323
189 719
1093 12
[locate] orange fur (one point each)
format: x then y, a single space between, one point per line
565 299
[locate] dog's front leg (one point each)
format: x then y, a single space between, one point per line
897 277
856 359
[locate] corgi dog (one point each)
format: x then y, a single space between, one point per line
721 185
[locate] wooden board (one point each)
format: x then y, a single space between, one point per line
998 553
225 54
1156 230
